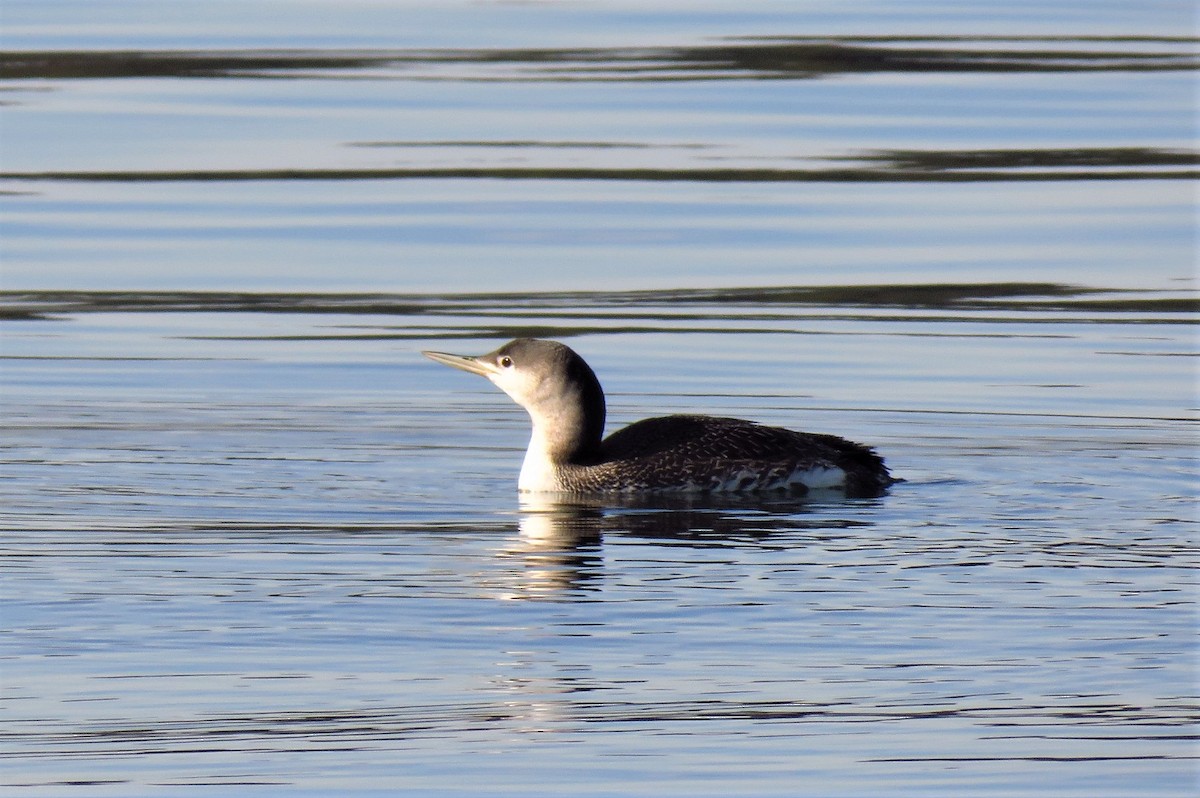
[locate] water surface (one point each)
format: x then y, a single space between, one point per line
253 542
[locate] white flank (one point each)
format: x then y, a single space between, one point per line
819 478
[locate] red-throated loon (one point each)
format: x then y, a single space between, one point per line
682 453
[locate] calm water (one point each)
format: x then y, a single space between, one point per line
253 543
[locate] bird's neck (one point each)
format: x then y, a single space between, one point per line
568 424
554 444
539 471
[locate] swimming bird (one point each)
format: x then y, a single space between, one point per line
678 453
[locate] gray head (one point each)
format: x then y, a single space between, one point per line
554 385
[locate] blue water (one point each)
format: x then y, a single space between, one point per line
254 544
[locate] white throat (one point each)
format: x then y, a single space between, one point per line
538 472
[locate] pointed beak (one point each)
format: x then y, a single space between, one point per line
464 362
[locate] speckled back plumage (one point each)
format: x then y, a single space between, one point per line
707 453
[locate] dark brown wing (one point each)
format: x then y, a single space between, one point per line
680 444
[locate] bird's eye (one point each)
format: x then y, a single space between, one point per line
506 362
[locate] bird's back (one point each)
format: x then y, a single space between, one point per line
706 453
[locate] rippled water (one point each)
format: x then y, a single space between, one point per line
253 541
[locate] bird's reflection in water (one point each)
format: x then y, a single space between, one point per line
557 551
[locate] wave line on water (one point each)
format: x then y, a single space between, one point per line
731 58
